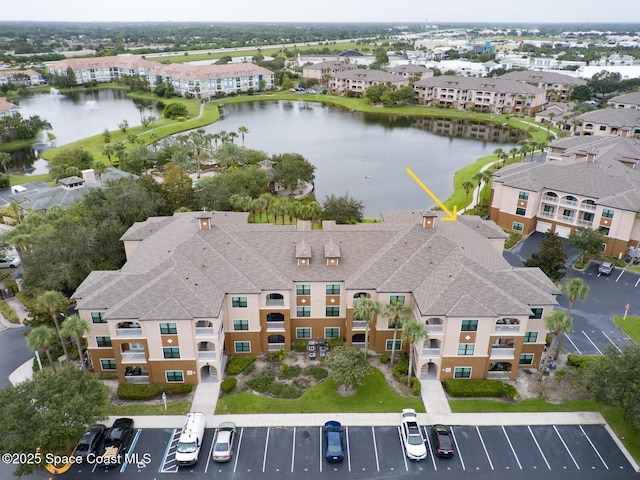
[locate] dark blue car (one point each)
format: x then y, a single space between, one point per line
333 435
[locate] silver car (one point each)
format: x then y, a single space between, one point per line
223 443
10 262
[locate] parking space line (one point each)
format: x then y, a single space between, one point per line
402 447
321 453
535 440
457 449
375 448
266 448
511 446
433 457
206 467
594 448
348 449
123 468
637 282
484 447
566 448
293 449
166 451
621 272
235 464
590 341
618 348
574 345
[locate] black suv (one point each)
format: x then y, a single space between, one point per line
90 440
118 438
443 441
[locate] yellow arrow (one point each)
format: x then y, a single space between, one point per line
451 215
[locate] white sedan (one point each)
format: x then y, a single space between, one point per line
411 434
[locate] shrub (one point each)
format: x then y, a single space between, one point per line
289 371
416 386
261 383
480 388
148 391
318 373
300 345
385 358
175 110
336 342
267 384
8 312
401 368
580 361
228 384
4 182
237 365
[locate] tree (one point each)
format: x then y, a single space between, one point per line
54 302
5 160
48 413
214 192
374 93
292 168
123 125
343 209
74 158
412 332
550 258
479 178
397 313
587 240
467 185
175 110
559 323
581 93
574 289
367 310
177 187
74 327
350 367
242 130
43 337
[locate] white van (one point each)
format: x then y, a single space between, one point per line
18 189
190 439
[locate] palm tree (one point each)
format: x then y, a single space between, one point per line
242 130
232 136
479 178
53 302
397 313
74 327
5 160
107 152
367 310
558 322
42 337
574 289
412 332
468 185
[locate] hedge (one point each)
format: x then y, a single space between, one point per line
148 391
228 384
300 345
237 365
267 384
480 388
289 371
318 373
581 361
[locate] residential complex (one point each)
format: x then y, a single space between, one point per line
557 85
606 122
359 80
628 100
7 109
589 182
198 287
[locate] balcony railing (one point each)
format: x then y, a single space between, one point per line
275 302
206 354
569 203
507 328
359 345
133 357
549 199
544 214
498 375
430 352
588 206
359 325
437 328
274 347
136 379
585 223
503 352
567 218
128 332
205 332
275 326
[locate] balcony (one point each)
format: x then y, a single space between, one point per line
499 375
546 214
128 332
430 352
434 329
136 379
207 355
507 328
359 325
134 357
275 326
568 203
275 302
588 206
585 223
503 353
359 345
274 347
549 199
205 332
567 218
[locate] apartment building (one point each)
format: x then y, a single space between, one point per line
322 71
22 78
104 69
359 80
606 122
494 95
557 86
628 100
411 70
589 182
201 286
7 109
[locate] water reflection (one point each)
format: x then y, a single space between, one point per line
463 128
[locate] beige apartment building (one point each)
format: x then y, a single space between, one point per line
628 100
589 182
606 122
360 80
202 286
104 69
557 86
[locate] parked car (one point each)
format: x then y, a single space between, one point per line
333 441
412 437
443 440
117 440
605 268
223 442
90 440
10 262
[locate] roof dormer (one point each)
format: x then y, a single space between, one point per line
303 254
332 253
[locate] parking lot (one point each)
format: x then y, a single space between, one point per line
550 452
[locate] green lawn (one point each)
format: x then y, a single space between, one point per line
173 408
374 397
631 326
529 405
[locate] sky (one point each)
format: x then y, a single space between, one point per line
400 11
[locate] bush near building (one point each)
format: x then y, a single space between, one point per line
480 388
148 391
228 384
237 365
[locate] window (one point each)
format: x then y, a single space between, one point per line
333 289
239 302
97 317
241 347
174 376
526 359
332 311
548 209
303 289
523 195
588 217
603 128
469 326
396 298
530 337
389 344
332 332
517 226
168 329
604 230
521 211
462 372
303 332
568 213
466 348
241 324
103 341
303 311
171 352
606 213
108 363
536 313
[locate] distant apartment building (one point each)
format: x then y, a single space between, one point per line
199 287
104 69
628 100
360 80
411 71
494 95
591 182
7 109
557 86
607 122
22 78
323 71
